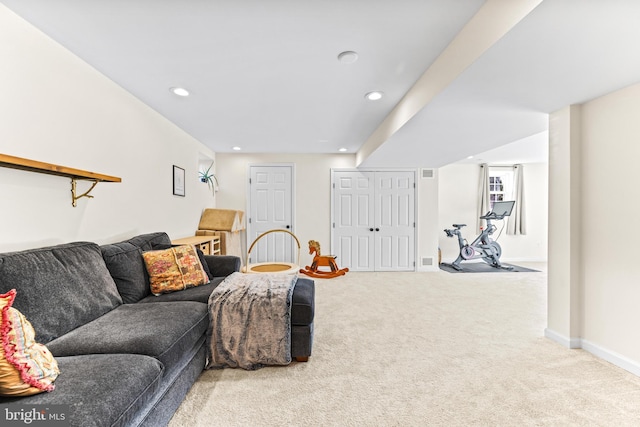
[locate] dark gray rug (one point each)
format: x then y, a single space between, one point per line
483 267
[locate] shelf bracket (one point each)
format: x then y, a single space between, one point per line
85 194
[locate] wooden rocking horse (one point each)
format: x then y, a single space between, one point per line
322 261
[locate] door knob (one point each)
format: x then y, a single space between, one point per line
377 229
371 229
288 227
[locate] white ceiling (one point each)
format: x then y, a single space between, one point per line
264 74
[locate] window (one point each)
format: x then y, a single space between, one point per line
500 184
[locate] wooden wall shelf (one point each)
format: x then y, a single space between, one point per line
51 169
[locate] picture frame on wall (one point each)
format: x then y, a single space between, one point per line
178 181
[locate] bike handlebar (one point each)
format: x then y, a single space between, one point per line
493 215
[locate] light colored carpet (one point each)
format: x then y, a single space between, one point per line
424 349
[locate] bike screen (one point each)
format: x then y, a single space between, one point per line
503 208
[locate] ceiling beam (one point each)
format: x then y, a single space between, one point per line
492 21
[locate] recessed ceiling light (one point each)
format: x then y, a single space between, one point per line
469 157
342 150
180 91
236 148
348 57
374 96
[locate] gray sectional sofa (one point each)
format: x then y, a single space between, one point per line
126 357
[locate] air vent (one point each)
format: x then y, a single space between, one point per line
427 261
427 173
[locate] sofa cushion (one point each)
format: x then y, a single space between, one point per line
174 269
125 263
101 389
146 242
163 330
26 367
71 280
223 265
199 293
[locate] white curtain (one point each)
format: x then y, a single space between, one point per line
483 193
516 224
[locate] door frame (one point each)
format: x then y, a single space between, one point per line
415 203
293 199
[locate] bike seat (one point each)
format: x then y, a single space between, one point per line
459 226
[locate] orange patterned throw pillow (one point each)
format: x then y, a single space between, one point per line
174 269
26 367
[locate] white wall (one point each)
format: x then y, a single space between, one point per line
593 281
610 206
457 203
564 307
428 231
54 108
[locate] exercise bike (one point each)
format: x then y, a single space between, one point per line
483 246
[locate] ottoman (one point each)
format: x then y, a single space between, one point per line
302 310
256 321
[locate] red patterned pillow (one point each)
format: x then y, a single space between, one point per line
26 367
174 269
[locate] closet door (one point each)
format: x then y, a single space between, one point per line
394 221
374 220
353 232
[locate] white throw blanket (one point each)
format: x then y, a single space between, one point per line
250 321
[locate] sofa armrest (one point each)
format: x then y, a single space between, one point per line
223 265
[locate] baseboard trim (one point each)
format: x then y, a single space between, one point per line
563 340
598 351
612 357
522 259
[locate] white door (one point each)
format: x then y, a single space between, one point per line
394 221
270 208
374 220
353 232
